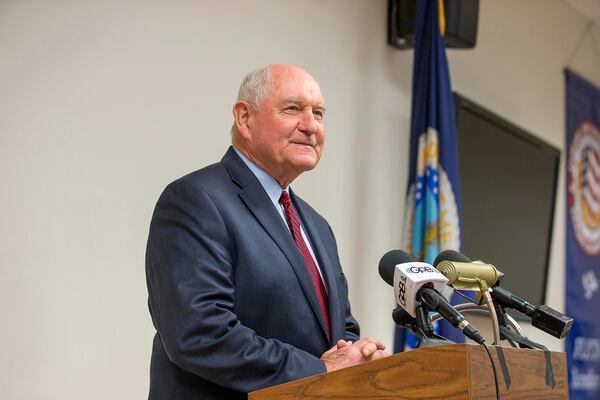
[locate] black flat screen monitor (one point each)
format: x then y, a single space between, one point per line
508 180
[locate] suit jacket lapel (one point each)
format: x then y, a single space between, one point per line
259 203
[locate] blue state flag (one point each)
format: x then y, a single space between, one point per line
432 219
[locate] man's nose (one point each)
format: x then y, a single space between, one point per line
308 124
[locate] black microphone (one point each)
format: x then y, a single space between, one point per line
543 317
417 281
451 255
402 318
387 264
436 302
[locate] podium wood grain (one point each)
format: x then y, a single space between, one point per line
459 371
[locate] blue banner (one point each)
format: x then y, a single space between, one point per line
583 237
432 219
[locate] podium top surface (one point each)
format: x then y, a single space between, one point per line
456 371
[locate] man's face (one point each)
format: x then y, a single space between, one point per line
287 134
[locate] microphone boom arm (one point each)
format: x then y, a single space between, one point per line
487 297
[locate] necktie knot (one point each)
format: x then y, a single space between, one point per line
284 199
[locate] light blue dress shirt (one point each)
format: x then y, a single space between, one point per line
274 192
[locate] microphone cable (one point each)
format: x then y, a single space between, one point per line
493 370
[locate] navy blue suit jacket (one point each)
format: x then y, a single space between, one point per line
230 295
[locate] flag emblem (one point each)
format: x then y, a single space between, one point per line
584 187
442 231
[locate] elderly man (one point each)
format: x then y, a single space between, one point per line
245 285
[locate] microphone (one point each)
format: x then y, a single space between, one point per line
463 274
415 283
421 326
408 276
543 317
402 318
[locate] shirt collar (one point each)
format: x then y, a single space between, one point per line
267 181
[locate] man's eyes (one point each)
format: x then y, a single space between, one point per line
318 113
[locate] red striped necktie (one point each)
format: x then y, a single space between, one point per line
294 223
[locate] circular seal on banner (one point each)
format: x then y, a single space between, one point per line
584 186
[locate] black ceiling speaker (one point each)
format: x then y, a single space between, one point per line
461 23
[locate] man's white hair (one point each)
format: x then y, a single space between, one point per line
255 87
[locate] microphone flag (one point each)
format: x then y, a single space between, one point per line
583 236
432 216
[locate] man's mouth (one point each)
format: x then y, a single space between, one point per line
305 144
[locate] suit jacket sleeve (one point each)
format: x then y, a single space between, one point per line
189 262
351 327
352 330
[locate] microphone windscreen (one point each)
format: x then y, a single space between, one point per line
451 255
402 318
389 261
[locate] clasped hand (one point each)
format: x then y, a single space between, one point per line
346 354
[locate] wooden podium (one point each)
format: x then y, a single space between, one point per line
456 371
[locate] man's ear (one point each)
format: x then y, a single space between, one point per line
241 117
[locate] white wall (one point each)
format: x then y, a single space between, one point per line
102 103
